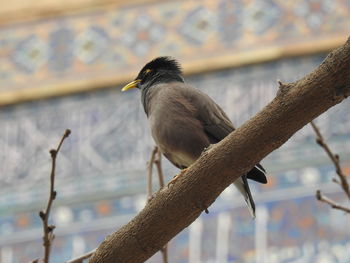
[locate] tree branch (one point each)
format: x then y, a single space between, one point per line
44 215
335 159
149 174
158 163
81 258
175 208
332 203
156 159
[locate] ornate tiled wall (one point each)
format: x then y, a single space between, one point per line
101 168
105 46
101 175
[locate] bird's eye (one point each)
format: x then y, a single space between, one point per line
148 71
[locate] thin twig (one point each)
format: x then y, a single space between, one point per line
158 163
329 201
153 160
44 215
335 159
82 257
156 159
164 252
342 177
150 170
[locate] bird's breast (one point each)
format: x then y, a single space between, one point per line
180 138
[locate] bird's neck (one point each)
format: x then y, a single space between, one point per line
147 87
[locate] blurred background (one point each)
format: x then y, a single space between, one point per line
62 64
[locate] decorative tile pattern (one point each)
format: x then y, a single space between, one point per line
315 12
61 49
110 43
30 54
142 35
198 25
297 228
110 134
261 16
102 168
91 44
230 21
102 164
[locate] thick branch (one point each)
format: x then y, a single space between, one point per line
81 258
177 207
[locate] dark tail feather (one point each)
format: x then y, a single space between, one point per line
257 174
242 185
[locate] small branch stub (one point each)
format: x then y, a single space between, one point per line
333 204
283 87
81 258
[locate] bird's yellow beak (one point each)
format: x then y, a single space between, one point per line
131 85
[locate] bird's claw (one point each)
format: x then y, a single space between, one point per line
207 149
176 177
150 198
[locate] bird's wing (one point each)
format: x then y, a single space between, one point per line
214 120
217 125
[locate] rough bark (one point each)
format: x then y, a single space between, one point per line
173 209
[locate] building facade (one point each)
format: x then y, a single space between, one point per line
66 70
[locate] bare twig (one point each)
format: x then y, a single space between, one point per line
149 175
44 215
335 159
164 252
82 257
342 177
158 163
156 159
329 201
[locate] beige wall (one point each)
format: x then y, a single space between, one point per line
23 10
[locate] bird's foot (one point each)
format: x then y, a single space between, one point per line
150 198
176 177
207 149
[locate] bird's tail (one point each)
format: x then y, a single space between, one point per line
242 185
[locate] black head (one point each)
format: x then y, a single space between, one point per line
158 65
161 69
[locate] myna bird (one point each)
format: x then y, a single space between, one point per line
185 121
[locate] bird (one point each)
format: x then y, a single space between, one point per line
184 121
